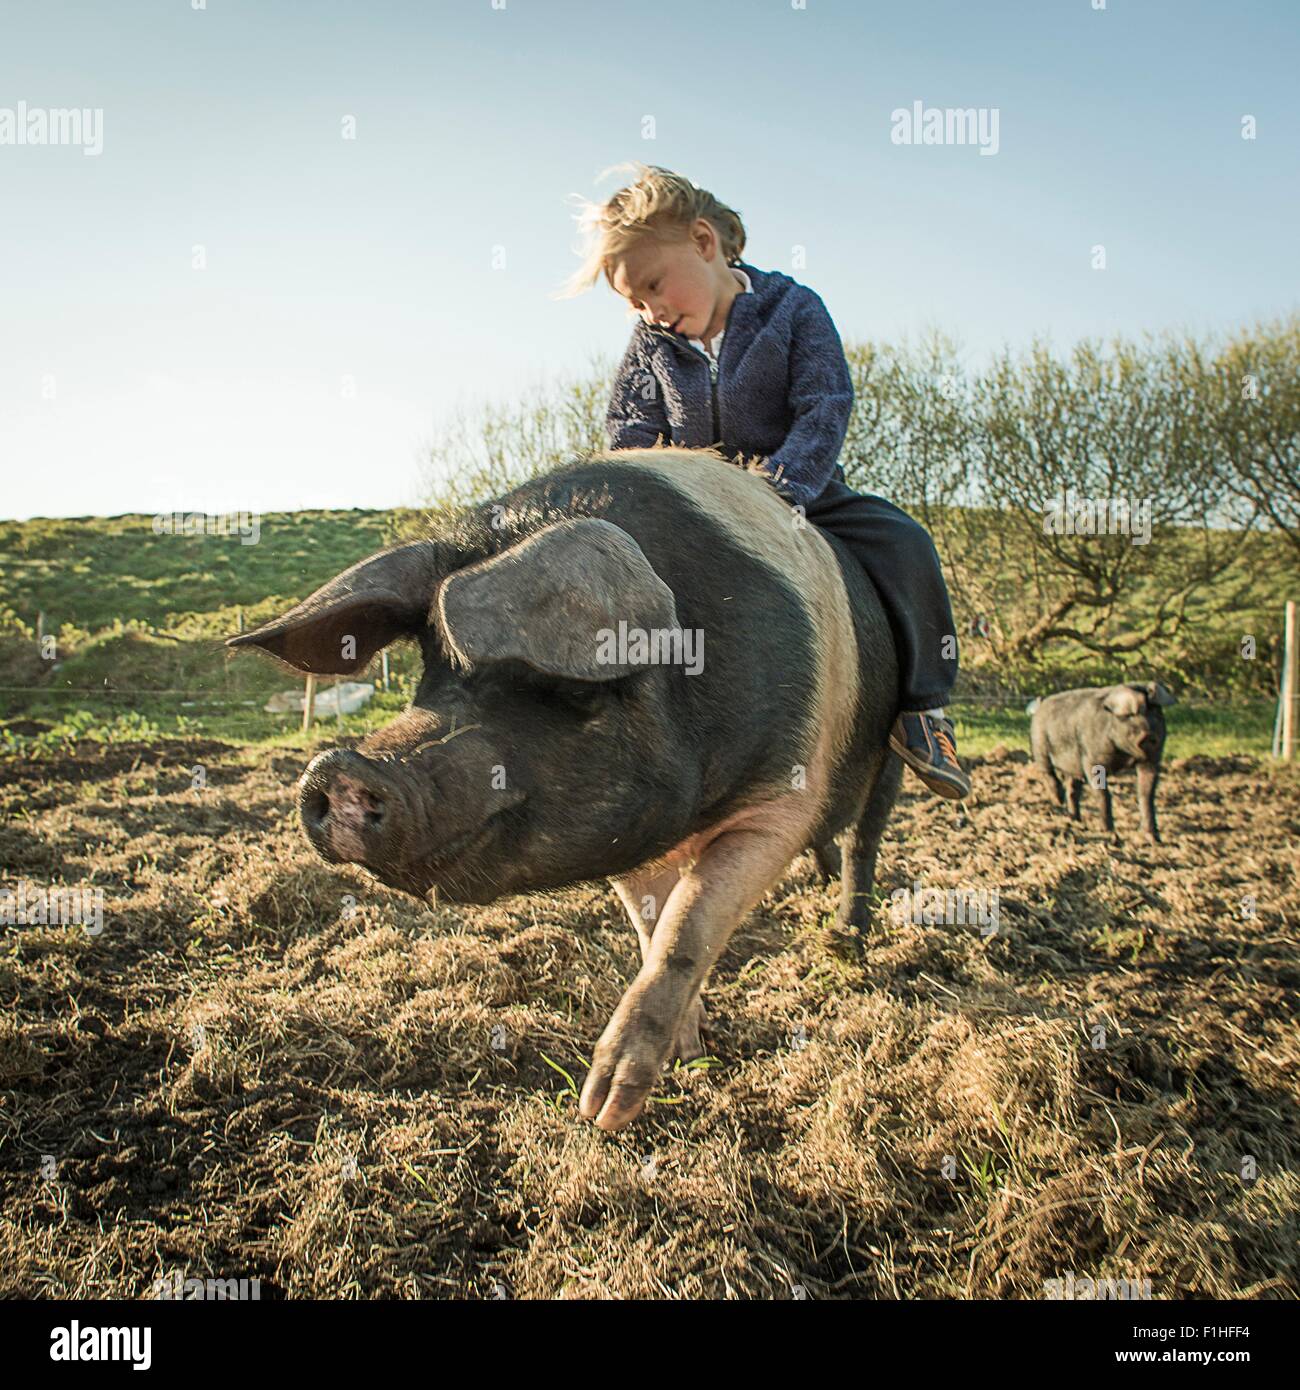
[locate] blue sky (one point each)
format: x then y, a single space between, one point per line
350 302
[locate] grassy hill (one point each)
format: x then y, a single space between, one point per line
139 619
91 572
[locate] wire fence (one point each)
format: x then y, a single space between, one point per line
203 697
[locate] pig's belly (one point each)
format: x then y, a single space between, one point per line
784 818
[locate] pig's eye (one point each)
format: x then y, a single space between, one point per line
583 698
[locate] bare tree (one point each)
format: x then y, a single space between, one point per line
1247 396
1102 438
487 450
917 443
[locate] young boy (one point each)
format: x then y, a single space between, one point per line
749 362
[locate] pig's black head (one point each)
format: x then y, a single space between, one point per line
1136 721
531 757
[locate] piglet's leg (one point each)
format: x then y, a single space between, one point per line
1147 778
711 899
1107 809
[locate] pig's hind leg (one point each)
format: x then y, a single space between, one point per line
1042 759
830 861
1049 773
852 858
861 846
1148 776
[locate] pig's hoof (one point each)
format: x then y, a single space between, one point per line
846 937
857 922
688 1045
624 1067
829 860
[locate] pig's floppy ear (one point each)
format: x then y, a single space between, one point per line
1122 699
344 623
1160 694
546 601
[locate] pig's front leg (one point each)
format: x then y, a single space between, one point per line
645 893
1148 776
1107 810
707 904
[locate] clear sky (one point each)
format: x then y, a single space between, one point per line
351 302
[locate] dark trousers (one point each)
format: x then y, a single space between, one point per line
900 557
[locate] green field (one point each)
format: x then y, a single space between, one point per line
94 571
139 619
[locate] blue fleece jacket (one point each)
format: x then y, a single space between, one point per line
782 388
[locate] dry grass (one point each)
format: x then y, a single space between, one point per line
262 1067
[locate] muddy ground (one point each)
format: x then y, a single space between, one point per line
262 1067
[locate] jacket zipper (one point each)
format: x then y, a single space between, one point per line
713 391
713 383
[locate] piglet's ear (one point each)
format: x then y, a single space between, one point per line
1160 694
552 600
344 623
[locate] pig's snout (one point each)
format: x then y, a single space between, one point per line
346 804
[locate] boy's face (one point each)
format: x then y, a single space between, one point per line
676 284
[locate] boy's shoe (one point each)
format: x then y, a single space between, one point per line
929 747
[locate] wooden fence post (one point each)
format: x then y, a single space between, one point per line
308 702
1290 693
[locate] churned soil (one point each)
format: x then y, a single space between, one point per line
263 1067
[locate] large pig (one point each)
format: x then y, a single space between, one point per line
640 667
1085 735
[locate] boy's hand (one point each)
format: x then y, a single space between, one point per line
776 479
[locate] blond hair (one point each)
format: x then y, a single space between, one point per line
660 205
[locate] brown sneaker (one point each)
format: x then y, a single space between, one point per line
929 747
